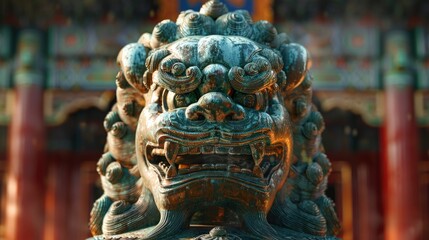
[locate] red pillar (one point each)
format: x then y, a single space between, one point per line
26 167
58 192
400 147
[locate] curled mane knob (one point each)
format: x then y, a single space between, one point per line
119 207
119 129
300 107
273 58
314 173
195 24
245 14
120 184
124 216
113 219
326 207
182 15
234 24
132 108
251 69
104 161
324 163
132 59
111 118
264 32
309 130
281 79
317 119
114 172
99 210
309 207
163 33
214 9
121 82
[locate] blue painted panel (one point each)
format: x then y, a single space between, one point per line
5 42
423 74
96 74
335 74
5 74
422 42
100 40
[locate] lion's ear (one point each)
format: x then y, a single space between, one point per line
298 101
131 60
296 61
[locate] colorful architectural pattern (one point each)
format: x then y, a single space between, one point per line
5 42
344 56
422 42
346 74
423 74
100 40
84 74
5 74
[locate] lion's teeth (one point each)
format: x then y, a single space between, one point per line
195 167
172 171
235 151
207 149
257 171
171 149
157 152
194 150
265 167
221 150
184 171
221 166
233 168
208 166
183 150
183 166
258 150
247 171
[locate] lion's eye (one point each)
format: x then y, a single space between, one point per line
256 101
174 100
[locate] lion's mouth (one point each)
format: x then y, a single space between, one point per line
255 159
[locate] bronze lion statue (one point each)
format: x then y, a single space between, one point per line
214 126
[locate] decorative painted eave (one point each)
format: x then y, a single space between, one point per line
60 104
368 104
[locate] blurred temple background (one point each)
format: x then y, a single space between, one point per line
371 83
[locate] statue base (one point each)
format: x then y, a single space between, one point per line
198 232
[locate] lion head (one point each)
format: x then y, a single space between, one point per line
215 130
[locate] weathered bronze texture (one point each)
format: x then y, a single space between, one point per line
214 125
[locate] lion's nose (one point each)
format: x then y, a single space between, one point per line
215 107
